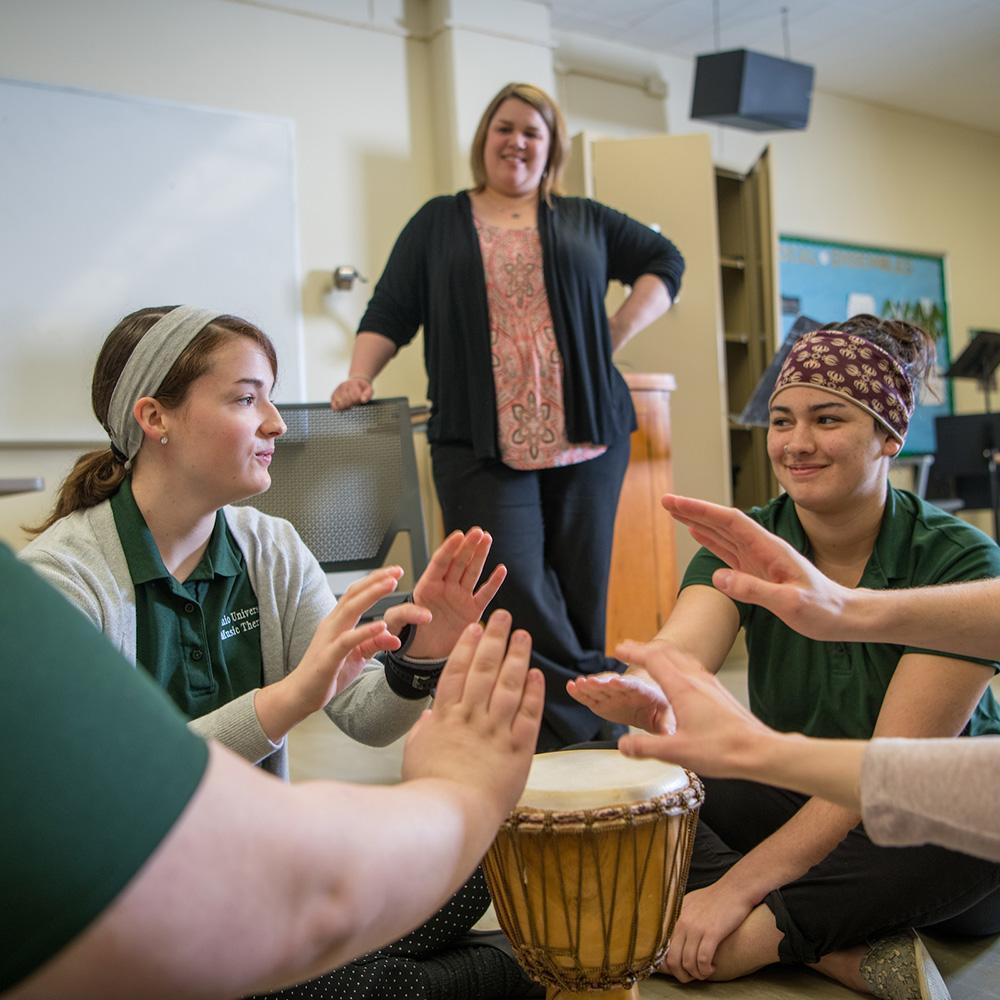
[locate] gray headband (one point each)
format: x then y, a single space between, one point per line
146 369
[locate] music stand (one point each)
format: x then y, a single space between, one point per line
979 360
756 412
965 465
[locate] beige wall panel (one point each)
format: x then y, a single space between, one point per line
669 181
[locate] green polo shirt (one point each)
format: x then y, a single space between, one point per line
200 639
98 767
835 689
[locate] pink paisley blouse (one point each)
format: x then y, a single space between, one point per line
527 366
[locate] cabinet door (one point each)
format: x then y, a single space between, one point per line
669 181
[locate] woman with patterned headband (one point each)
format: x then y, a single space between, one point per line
778 877
227 609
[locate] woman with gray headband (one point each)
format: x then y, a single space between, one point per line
777 876
224 606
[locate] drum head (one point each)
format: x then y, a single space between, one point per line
569 780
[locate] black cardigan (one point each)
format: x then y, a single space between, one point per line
434 278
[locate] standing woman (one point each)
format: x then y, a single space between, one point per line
530 420
777 876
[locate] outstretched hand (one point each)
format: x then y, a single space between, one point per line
624 698
482 727
340 648
446 598
766 570
713 733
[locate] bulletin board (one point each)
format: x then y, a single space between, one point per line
112 203
830 282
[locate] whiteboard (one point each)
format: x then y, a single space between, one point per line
111 203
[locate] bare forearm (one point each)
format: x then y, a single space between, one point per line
829 769
956 618
322 873
647 302
703 624
372 352
277 710
808 837
417 843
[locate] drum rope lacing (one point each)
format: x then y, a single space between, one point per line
642 840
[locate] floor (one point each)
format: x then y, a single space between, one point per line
971 968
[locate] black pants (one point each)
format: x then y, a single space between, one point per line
553 529
859 892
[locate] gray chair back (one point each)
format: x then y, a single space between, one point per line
348 483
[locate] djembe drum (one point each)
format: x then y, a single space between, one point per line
588 872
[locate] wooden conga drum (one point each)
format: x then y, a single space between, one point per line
588 872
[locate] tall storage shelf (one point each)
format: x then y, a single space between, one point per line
749 294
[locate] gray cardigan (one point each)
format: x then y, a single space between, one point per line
82 557
933 791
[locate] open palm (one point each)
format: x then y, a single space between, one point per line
448 590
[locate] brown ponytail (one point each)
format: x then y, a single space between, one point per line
97 475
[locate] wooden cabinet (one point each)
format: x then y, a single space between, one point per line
749 311
643 582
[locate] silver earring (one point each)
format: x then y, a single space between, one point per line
164 439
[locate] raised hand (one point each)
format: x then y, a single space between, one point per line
482 728
765 569
623 698
340 648
713 733
446 598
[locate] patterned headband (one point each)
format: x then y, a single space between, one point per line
851 366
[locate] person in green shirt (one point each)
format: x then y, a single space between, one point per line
896 783
138 861
777 876
224 606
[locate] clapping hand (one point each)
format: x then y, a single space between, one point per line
712 732
482 727
446 598
336 655
341 647
629 699
765 569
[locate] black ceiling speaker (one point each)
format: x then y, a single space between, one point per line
751 90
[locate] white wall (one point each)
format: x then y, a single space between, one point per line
358 98
379 130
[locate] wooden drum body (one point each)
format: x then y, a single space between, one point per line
588 872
